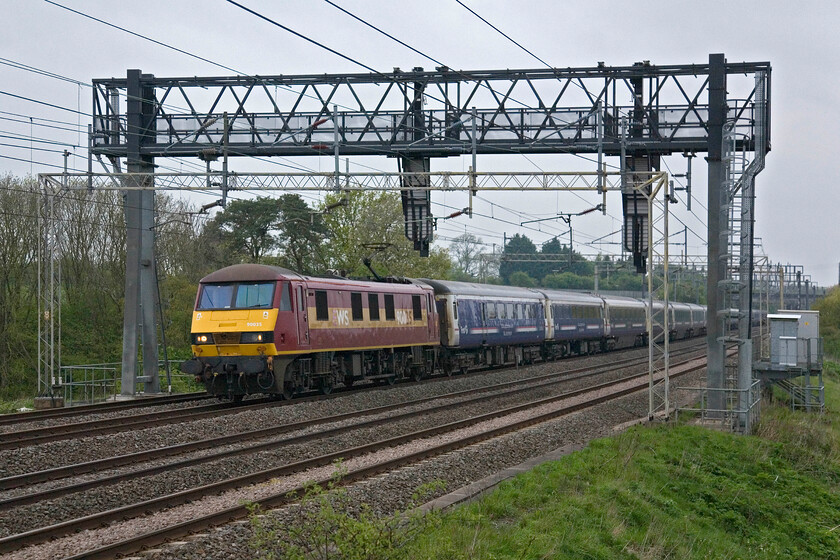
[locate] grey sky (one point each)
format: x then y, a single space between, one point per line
797 204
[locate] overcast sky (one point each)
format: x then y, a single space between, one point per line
798 203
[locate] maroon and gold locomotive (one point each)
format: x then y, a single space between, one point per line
266 329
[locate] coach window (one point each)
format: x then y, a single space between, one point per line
490 310
322 312
285 297
356 305
417 308
389 307
373 306
510 314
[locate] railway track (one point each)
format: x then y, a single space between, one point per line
81 410
602 392
510 388
16 439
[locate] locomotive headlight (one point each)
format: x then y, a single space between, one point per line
202 338
256 337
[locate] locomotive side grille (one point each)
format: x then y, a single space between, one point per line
226 338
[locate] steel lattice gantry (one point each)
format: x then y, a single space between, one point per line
640 112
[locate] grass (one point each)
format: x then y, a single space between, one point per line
7 406
667 492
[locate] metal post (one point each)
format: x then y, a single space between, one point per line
717 240
781 287
140 285
688 183
90 157
336 138
807 293
225 140
600 125
799 289
473 169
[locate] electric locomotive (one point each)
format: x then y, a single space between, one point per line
266 329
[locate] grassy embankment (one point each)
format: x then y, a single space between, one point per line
668 492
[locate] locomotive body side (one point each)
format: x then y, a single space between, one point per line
264 329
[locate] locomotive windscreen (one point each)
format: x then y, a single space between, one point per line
236 296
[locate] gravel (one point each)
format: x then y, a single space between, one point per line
66 452
462 469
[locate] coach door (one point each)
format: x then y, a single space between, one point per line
302 315
431 320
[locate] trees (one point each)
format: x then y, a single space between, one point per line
829 308
467 255
247 227
370 224
517 245
302 232
18 277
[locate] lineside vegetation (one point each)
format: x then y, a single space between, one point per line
675 491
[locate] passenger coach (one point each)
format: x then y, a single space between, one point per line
487 324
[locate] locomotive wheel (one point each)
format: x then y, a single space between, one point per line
390 380
417 374
326 387
237 398
348 381
288 392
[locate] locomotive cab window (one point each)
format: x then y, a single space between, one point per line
216 296
356 305
417 308
373 306
322 312
236 296
389 307
254 295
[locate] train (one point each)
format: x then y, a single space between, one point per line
266 329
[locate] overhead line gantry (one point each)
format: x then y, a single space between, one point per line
638 112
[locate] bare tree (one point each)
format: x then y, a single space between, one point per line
468 256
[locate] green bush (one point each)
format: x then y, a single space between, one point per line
331 525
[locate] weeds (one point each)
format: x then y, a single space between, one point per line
331 525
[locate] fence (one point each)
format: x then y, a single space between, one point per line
89 383
741 411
